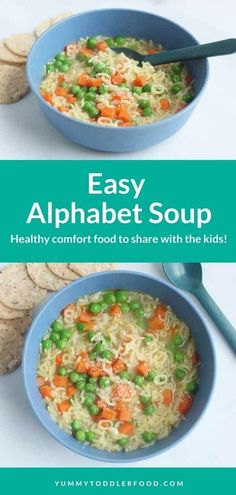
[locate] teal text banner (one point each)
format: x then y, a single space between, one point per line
111 480
118 211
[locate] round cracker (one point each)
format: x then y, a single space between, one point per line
43 277
42 26
17 290
21 325
11 345
20 43
13 83
61 16
84 269
62 270
8 56
10 314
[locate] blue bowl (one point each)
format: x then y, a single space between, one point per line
128 281
111 22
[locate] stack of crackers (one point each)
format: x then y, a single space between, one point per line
22 287
13 56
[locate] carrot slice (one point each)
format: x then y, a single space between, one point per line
115 310
142 368
101 46
117 78
60 381
45 391
63 406
167 396
185 404
118 366
139 81
126 428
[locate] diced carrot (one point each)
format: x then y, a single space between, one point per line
117 78
101 403
115 310
139 81
142 368
70 391
109 112
122 391
154 323
123 114
126 428
60 381
47 97
195 358
95 83
63 109
58 359
45 391
124 413
108 413
82 366
84 79
95 371
71 99
85 316
165 104
59 91
86 51
116 97
101 46
60 79
160 310
118 366
167 396
63 406
84 354
125 124
151 51
185 404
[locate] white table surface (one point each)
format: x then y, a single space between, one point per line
210 133
24 442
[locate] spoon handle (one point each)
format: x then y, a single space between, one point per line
224 47
225 327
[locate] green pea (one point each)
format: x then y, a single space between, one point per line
121 296
90 436
54 337
176 88
92 90
93 380
59 64
107 355
93 112
103 89
148 339
90 97
60 57
46 344
50 68
139 312
103 306
99 348
80 327
178 341
123 85
75 89
81 57
180 374
80 385
80 436
66 334
142 323
175 78
76 425
122 442
147 88
144 104
61 371
95 308
120 40
145 399
125 375
57 326
187 98
104 382
99 68
83 376
176 68
134 305
93 410
65 67
110 298
68 61
149 410
147 112
148 436
110 42
137 90
124 308
139 380
90 387
150 376
89 400
179 357
90 336
62 344
92 42
74 376
87 106
192 387
93 356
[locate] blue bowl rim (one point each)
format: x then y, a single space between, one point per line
96 456
160 123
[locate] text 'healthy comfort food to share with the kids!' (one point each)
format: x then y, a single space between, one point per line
118 370
91 83
13 56
22 288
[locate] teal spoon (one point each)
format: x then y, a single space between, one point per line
188 276
224 47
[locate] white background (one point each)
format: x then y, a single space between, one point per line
210 133
24 442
